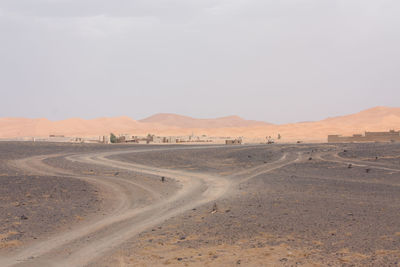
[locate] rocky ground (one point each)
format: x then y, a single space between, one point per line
318 210
34 206
308 213
212 160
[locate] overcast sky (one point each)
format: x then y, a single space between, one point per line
276 61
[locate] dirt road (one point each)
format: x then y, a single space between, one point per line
128 214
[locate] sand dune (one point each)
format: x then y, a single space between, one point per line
374 119
180 121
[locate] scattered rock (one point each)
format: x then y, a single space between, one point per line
310 158
116 174
182 238
179 259
283 260
23 217
215 208
350 166
162 179
238 262
367 170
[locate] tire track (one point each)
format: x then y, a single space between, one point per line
89 242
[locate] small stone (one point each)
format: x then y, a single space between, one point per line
283 260
238 262
23 217
179 259
215 208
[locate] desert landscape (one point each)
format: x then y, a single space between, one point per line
199 205
199 133
374 119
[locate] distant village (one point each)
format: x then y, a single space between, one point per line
148 139
152 139
390 136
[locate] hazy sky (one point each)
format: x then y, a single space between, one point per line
273 60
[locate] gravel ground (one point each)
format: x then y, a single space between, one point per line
222 161
374 152
35 206
310 212
305 214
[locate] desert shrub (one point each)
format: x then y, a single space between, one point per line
113 138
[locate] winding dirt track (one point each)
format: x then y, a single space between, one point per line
335 157
84 244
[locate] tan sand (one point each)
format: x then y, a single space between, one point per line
375 119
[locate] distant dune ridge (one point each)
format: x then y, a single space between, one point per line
374 119
180 121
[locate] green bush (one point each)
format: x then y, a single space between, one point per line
113 138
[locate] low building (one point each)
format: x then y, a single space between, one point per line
233 142
390 136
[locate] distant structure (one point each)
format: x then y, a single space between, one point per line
270 140
391 136
105 139
233 142
56 135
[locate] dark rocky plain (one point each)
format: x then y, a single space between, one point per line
309 213
35 206
321 210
